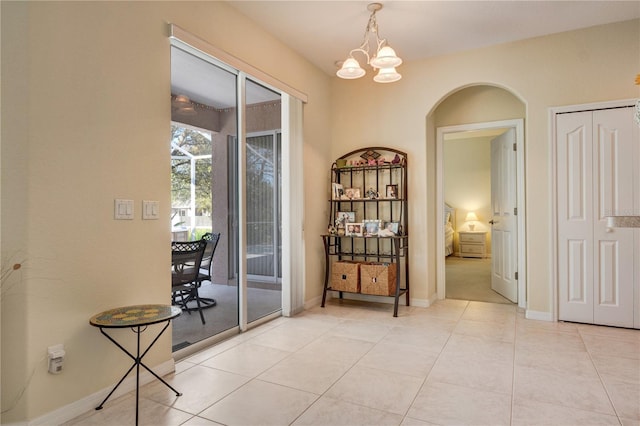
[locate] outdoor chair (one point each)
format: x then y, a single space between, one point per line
207 259
205 266
186 259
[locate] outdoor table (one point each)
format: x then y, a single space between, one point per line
138 318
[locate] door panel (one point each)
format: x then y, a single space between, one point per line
207 188
577 272
575 231
263 202
616 191
504 241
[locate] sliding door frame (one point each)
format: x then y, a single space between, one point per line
293 282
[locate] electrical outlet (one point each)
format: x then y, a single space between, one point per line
55 354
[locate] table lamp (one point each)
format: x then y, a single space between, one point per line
471 218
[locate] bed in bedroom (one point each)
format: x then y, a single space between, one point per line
449 221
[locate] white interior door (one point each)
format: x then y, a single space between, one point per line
575 216
597 162
615 158
504 225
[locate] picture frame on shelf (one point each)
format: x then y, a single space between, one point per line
353 229
390 229
371 194
342 218
352 193
391 191
371 228
337 191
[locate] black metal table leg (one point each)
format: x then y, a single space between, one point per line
137 362
326 270
137 318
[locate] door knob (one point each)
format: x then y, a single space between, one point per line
493 221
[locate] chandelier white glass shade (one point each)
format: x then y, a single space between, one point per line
387 75
351 69
384 58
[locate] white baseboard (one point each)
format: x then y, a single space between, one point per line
538 315
420 303
294 312
424 303
88 403
312 303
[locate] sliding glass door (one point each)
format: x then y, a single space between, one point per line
204 117
263 202
226 179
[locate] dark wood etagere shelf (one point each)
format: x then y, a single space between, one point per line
369 189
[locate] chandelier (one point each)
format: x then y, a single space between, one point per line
384 58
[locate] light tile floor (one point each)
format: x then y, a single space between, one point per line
455 363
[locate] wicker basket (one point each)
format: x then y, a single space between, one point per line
345 276
378 278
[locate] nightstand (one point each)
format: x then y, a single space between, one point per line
473 243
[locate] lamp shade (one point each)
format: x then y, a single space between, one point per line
386 58
350 69
471 216
387 75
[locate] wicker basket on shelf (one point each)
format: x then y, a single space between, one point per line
378 278
345 276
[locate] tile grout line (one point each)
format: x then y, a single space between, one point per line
513 368
602 383
435 362
342 320
254 378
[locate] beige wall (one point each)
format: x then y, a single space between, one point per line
72 141
589 65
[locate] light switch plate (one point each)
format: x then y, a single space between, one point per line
123 209
150 209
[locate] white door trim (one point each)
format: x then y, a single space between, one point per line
553 252
518 125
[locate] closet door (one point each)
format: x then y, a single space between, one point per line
614 195
575 216
597 156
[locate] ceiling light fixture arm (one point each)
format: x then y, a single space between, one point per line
372 28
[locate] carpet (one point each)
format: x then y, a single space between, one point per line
470 279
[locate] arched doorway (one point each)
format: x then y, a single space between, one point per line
482 112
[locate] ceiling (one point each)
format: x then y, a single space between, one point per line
210 85
325 31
